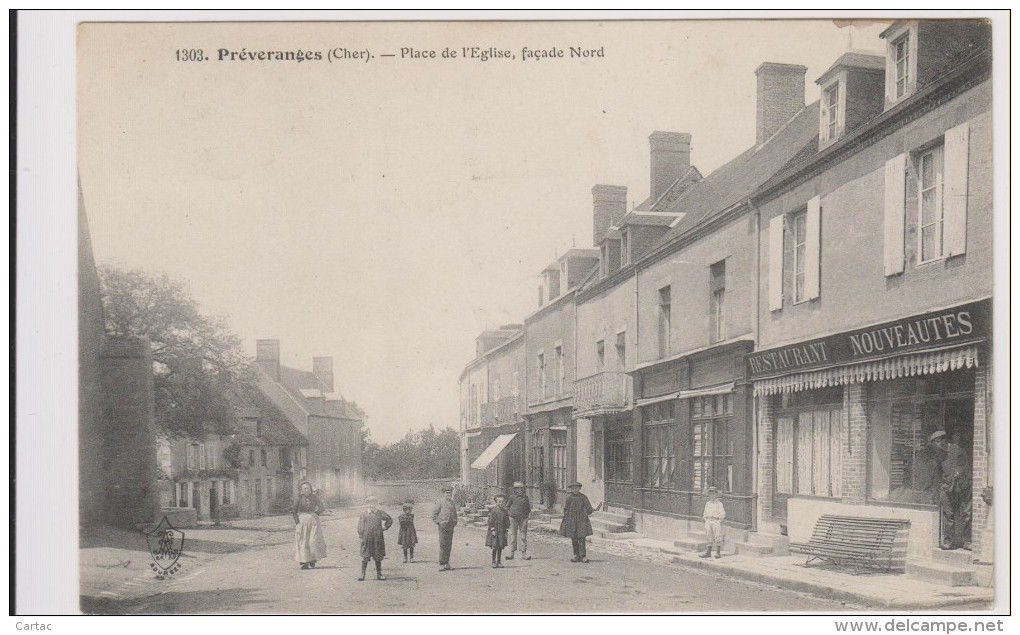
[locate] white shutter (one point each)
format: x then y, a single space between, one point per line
776 263
895 193
812 248
954 193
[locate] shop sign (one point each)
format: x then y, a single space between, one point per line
948 327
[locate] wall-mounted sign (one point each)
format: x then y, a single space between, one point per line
948 327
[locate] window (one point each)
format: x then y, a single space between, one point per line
833 106
189 450
664 320
227 487
798 231
662 470
619 465
542 392
809 441
929 204
711 442
559 458
902 414
621 349
625 248
901 66
600 354
285 459
560 370
263 457
182 494
537 456
251 458
717 301
270 493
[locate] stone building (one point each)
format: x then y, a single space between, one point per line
875 286
117 475
330 424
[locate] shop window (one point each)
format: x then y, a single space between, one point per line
619 465
712 443
661 436
809 442
902 415
559 458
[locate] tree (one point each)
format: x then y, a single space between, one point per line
198 364
423 454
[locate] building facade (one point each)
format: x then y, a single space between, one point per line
875 286
329 424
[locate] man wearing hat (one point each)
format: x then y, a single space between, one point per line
955 504
575 524
445 516
713 516
519 507
371 526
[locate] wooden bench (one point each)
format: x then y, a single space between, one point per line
851 540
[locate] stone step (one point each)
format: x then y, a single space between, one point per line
753 548
604 525
661 546
939 573
614 517
624 535
956 557
691 543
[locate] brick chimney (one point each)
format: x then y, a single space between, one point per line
670 157
780 96
322 368
610 205
267 356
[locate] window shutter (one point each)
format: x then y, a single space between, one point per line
954 194
776 263
812 249
895 193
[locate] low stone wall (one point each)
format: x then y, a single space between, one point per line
179 517
396 492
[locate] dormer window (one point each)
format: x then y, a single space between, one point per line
625 248
901 66
832 112
900 62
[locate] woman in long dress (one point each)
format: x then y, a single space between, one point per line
310 544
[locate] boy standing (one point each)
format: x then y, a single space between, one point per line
371 526
713 517
575 524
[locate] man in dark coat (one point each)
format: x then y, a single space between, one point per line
955 503
519 507
371 526
445 517
576 525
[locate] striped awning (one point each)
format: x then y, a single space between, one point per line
492 451
927 363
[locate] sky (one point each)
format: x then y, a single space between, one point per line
385 212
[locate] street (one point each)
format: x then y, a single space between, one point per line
263 578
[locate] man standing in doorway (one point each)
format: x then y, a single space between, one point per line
955 504
445 516
520 510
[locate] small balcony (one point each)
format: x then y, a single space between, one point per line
603 393
497 413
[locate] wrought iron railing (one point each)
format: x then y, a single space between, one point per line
603 392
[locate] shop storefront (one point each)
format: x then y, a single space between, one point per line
691 431
846 422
